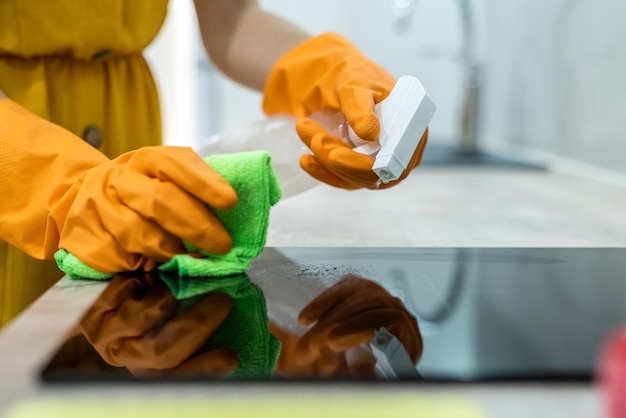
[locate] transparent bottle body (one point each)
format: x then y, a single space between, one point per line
277 135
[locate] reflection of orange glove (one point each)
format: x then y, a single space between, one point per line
346 316
119 215
327 72
326 364
137 324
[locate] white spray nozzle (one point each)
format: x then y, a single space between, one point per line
404 116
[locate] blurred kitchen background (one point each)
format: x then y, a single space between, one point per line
548 76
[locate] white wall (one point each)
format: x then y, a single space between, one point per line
173 58
557 77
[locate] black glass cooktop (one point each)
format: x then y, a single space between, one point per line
380 314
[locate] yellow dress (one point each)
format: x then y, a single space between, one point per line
77 63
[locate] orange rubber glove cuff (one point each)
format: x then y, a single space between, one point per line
114 215
328 72
39 162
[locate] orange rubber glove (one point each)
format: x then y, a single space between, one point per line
327 72
327 364
335 163
346 316
138 324
114 215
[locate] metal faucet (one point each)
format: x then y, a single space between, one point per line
468 143
467 150
473 81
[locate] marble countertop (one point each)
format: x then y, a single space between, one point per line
434 207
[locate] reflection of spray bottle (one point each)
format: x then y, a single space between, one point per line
404 116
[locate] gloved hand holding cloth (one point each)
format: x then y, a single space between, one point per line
327 72
245 225
164 207
114 215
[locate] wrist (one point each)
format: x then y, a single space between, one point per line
290 86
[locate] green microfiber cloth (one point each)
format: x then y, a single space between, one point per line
254 180
246 329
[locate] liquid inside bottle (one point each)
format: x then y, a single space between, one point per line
277 135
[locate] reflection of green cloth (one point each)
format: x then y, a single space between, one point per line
254 180
246 329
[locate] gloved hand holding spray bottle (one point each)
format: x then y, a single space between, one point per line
404 116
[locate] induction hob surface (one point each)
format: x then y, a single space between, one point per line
461 315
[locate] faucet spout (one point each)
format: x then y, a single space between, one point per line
472 71
468 142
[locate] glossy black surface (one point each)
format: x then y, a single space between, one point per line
483 313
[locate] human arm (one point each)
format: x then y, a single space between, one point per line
342 318
243 41
299 75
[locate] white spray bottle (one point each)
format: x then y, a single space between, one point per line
404 115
